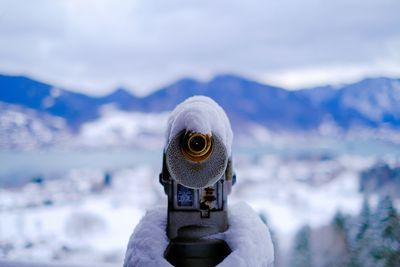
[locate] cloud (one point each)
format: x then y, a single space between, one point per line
96 45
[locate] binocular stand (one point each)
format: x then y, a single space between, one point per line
196 252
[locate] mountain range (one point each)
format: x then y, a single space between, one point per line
370 103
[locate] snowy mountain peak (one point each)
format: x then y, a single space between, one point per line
371 103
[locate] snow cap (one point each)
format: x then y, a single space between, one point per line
203 115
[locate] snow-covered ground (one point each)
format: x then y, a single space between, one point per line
77 218
294 192
120 128
23 128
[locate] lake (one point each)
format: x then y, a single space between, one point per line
18 167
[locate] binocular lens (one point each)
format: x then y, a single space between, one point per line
196 147
197 144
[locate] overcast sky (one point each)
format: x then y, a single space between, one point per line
93 46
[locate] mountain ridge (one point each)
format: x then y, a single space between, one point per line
370 103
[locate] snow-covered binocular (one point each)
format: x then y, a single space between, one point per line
197 177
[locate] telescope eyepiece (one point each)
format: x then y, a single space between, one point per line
197 144
196 147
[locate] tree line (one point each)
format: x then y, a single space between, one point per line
370 239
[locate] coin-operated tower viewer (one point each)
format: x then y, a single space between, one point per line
197 177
